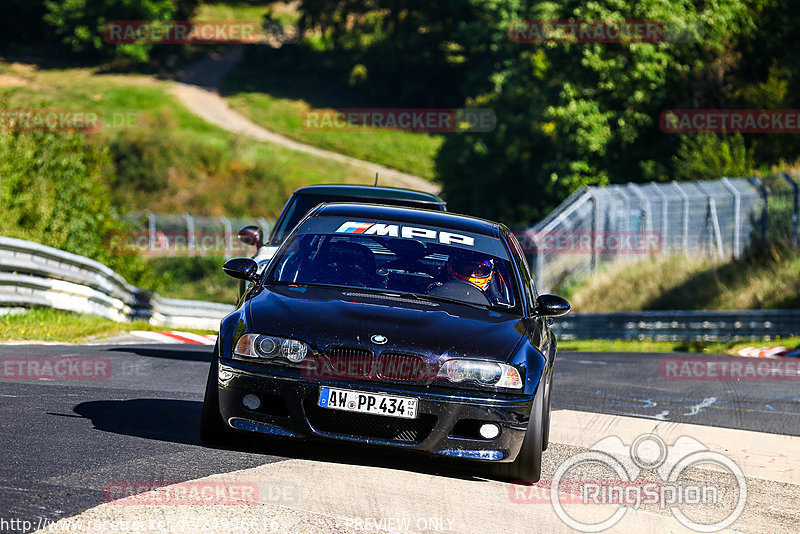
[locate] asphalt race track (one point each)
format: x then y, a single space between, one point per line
64 441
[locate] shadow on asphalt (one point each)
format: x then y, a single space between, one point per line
178 421
187 353
171 420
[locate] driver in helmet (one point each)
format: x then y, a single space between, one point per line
476 269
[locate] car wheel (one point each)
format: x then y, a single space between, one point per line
213 430
528 464
546 426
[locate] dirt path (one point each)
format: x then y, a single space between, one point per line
197 90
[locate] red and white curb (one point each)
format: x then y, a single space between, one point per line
769 352
176 338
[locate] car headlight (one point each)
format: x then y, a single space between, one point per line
490 374
261 347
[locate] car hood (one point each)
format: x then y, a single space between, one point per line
331 317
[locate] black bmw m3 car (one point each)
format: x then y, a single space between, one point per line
391 326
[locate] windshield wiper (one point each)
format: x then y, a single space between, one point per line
420 296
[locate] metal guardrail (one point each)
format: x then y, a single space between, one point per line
693 325
36 275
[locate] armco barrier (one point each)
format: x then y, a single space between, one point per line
680 325
36 275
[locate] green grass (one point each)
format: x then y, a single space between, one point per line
244 11
44 324
619 345
277 98
216 11
195 278
765 278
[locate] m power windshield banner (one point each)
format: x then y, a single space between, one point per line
391 229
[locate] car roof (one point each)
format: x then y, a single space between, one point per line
424 217
371 192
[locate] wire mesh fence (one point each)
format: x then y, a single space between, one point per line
599 225
186 235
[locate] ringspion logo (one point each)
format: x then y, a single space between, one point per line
678 487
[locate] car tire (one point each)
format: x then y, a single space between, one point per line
546 425
213 430
527 466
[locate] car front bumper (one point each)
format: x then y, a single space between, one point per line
446 423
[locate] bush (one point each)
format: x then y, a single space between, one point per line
53 191
80 23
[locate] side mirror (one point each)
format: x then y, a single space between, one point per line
551 306
251 235
241 268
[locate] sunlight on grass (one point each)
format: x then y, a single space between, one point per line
45 324
766 277
620 345
409 152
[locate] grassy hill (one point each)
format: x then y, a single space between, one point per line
275 88
767 276
167 159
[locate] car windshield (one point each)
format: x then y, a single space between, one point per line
301 204
400 265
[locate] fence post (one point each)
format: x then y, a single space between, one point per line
626 203
795 213
189 232
756 182
712 214
685 216
226 223
593 197
737 217
151 230
648 207
664 218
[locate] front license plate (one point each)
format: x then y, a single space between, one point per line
362 402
